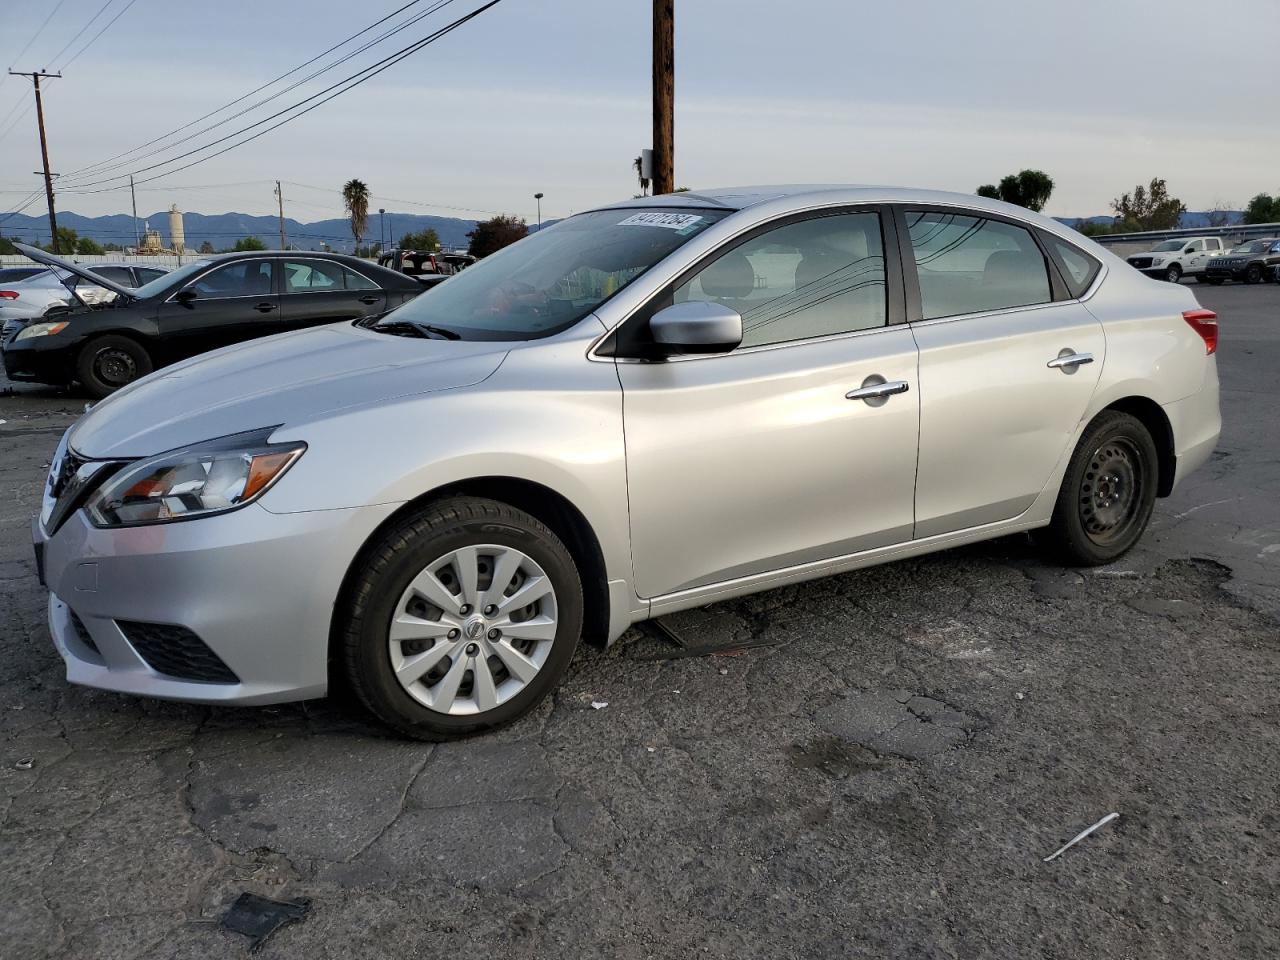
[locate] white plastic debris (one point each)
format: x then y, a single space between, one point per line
724 671
26 763
599 704
651 749
1080 836
3 422
1019 695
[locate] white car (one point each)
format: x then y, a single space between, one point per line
1174 259
26 300
647 407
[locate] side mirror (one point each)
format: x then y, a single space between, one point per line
1189 250
697 326
185 297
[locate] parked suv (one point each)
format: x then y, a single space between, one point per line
1174 259
1251 262
644 408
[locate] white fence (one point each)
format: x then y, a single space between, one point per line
167 260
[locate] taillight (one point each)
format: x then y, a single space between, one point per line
9 294
1205 323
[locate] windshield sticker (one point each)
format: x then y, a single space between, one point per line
669 221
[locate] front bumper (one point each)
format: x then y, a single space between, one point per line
257 589
37 362
1223 273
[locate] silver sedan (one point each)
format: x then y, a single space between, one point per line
43 290
646 407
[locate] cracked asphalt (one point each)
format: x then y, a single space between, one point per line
871 765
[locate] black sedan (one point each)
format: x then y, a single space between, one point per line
1252 261
205 305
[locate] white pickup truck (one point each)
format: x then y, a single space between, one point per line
1174 259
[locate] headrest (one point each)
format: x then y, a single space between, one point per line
731 277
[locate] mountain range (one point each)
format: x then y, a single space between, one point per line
222 230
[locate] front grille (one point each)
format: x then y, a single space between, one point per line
1142 263
176 652
82 632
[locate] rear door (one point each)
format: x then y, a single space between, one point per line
323 291
227 304
1008 364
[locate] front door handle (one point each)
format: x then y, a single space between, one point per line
1068 360
369 299
265 307
877 388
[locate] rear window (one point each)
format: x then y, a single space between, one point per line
1077 267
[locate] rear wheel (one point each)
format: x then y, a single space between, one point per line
108 363
461 619
1253 273
1108 492
1174 273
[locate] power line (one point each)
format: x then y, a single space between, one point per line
34 36
346 84
94 38
80 32
102 165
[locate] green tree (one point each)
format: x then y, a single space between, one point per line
493 234
6 246
426 241
1148 208
1030 189
1263 208
355 200
67 240
112 248
248 244
205 247
88 247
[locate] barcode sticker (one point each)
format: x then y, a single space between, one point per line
670 221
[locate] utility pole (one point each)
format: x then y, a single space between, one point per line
280 200
664 91
44 149
137 237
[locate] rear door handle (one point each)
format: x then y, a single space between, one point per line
369 299
874 388
1067 361
265 307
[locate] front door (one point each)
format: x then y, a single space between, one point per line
1006 370
233 302
323 291
759 459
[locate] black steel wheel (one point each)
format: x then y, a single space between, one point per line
1107 494
1253 273
108 363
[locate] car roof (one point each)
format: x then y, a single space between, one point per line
739 198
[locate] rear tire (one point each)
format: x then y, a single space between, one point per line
1107 494
108 363
434 666
1173 274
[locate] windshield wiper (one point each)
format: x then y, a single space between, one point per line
410 327
443 333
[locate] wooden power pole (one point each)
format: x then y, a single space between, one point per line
280 200
664 90
44 151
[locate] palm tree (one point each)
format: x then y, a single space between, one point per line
355 199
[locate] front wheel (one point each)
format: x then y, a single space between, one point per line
1253 274
1174 273
1108 492
108 363
461 619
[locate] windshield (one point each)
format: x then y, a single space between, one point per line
552 279
163 283
1253 246
1167 245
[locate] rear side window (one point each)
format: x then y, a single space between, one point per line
1078 268
120 275
312 276
358 281
972 264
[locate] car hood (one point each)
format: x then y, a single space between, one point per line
41 256
283 379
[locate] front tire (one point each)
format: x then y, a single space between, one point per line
1173 274
1253 274
1107 494
461 618
108 363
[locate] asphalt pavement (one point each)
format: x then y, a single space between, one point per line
872 765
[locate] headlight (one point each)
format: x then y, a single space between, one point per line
1157 261
195 481
41 330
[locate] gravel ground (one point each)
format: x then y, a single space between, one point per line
871 765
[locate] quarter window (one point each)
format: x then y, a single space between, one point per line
808 279
312 276
1078 268
244 278
972 264
357 281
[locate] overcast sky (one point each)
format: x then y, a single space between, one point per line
553 96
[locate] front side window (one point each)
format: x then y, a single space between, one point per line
118 275
809 279
312 276
1078 268
147 274
550 280
244 278
972 264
